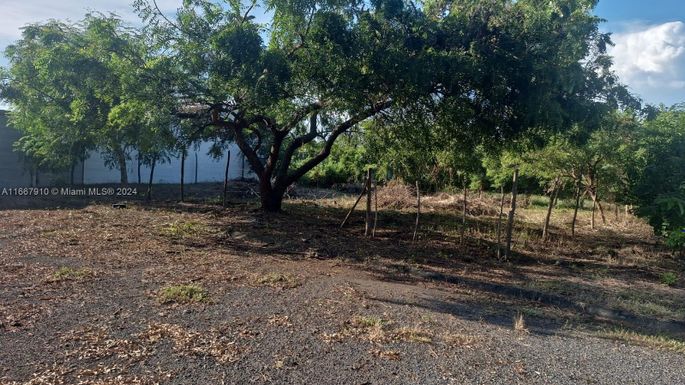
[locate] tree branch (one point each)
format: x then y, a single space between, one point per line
296 144
341 128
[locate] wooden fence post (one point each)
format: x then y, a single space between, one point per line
367 225
418 210
512 211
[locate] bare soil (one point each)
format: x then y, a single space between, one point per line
293 299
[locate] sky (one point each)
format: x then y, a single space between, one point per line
649 36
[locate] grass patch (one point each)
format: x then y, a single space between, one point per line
183 294
460 340
649 304
274 279
654 341
69 274
414 335
669 278
184 229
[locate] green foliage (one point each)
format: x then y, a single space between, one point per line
348 163
676 240
74 87
183 294
669 278
657 176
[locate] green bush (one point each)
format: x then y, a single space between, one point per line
676 240
669 278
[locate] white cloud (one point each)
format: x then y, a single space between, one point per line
651 61
15 14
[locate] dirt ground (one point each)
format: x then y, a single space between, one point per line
192 293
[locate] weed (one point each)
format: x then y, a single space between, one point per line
183 294
520 323
414 335
282 280
67 273
183 229
461 340
669 278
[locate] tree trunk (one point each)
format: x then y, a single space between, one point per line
596 204
499 223
71 172
552 198
228 164
512 212
592 218
463 212
139 163
196 168
271 197
121 162
183 174
575 212
418 210
152 175
367 225
375 208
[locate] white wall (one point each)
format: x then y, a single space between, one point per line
208 168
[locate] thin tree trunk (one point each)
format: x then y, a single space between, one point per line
139 163
512 212
499 223
196 168
597 204
121 162
550 206
592 218
375 208
353 207
367 223
575 211
463 212
418 210
183 174
228 164
71 173
152 175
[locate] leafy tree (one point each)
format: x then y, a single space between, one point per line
657 176
94 84
492 69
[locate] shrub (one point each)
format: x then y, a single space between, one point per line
183 294
669 278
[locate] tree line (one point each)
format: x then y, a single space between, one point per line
442 92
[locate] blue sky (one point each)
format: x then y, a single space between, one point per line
649 54
649 51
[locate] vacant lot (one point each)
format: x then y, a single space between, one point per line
197 294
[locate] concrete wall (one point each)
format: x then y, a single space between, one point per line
12 173
200 167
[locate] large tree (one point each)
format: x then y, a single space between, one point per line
74 87
319 68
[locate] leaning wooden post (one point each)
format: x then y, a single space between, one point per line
353 207
367 225
512 211
418 210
